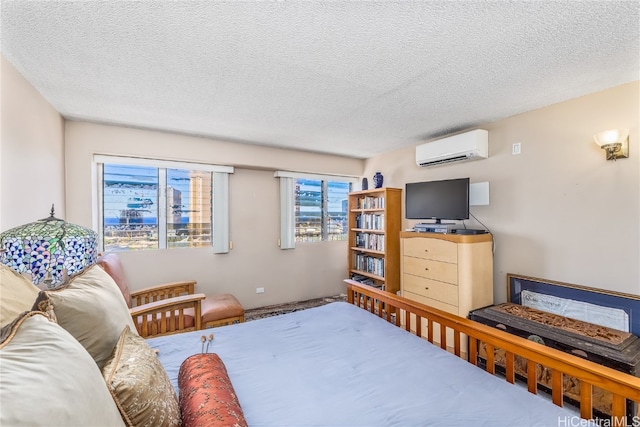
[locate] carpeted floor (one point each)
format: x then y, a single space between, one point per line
275 310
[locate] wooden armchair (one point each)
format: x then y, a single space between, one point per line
158 310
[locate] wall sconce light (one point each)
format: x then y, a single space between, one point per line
615 142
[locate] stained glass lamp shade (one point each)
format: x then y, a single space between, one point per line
49 249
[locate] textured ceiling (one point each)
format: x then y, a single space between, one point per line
352 78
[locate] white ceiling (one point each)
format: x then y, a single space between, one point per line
354 78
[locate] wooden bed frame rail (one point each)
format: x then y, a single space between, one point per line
402 311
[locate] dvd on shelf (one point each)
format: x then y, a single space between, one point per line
369 264
370 202
370 241
370 221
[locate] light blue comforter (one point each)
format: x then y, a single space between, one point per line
338 365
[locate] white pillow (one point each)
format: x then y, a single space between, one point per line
92 309
48 378
18 294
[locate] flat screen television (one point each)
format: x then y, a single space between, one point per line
439 200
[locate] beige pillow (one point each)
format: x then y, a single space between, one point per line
91 308
48 379
139 384
18 294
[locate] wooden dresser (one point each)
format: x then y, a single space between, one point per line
453 273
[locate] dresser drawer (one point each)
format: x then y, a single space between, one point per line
440 291
431 302
435 249
429 269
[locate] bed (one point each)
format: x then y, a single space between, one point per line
358 363
350 364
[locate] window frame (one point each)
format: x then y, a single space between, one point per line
220 242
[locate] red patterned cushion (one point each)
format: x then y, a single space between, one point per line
206 393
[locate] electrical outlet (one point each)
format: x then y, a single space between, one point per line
516 148
259 290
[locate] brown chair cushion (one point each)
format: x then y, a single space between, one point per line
110 262
217 307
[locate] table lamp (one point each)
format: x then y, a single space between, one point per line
49 249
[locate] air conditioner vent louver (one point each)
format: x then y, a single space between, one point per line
466 146
441 161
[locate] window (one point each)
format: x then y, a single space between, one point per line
313 207
130 219
149 206
190 207
320 210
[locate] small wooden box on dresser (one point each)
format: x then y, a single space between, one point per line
450 272
374 243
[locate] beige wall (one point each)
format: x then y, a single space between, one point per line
31 152
559 210
311 270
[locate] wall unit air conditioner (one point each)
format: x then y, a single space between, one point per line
472 145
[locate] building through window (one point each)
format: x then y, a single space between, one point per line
320 210
143 206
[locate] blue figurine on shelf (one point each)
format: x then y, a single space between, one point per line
377 180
